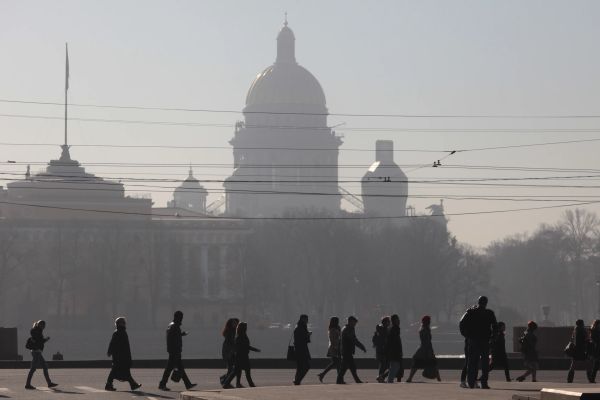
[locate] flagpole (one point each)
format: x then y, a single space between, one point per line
66 87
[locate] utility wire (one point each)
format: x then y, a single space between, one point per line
357 218
375 115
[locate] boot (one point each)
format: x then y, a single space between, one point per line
570 376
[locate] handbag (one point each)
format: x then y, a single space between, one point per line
176 375
570 350
429 372
291 351
29 344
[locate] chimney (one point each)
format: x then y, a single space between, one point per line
384 151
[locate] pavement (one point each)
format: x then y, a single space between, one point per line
273 384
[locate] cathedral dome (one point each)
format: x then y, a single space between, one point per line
285 82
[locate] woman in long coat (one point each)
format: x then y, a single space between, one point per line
595 351
579 357
333 351
120 352
424 357
301 341
530 355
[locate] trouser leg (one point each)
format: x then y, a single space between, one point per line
335 363
352 368
394 370
474 355
484 355
30 374
168 370
45 369
571 373
249 376
179 366
463 374
342 370
111 377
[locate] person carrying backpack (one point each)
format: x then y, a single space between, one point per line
36 344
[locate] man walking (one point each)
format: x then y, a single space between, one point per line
174 348
349 345
478 326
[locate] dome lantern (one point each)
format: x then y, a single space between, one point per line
286 45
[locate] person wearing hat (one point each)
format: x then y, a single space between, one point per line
174 348
349 344
120 352
478 326
424 357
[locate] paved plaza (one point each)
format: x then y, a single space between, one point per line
273 384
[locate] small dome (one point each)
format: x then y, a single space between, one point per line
191 184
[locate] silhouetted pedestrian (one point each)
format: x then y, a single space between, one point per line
174 348
578 357
478 325
36 344
528 342
333 351
379 343
242 358
463 331
393 351
349 344
120 352
301 341
594 351
228 348
424 357
498 347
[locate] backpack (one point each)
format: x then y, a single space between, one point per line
465 322
29 344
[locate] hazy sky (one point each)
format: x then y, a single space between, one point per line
382 57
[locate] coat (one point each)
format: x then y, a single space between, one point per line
393 348
334 342
528 347
379 339
350 342
595 344
581 341
424 356
301 341
242 352
174 338
228 348
498 347
37 336
120 352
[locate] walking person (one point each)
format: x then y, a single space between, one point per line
579 341
478 325
242 358
463 331
379 343
333 351
594 351
120 351
174 348
393 351
228 348
301 341
36 344
498 348
424 357
349 344
530 355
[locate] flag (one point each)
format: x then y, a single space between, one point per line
67 68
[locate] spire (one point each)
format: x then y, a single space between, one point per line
286 44
191 172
